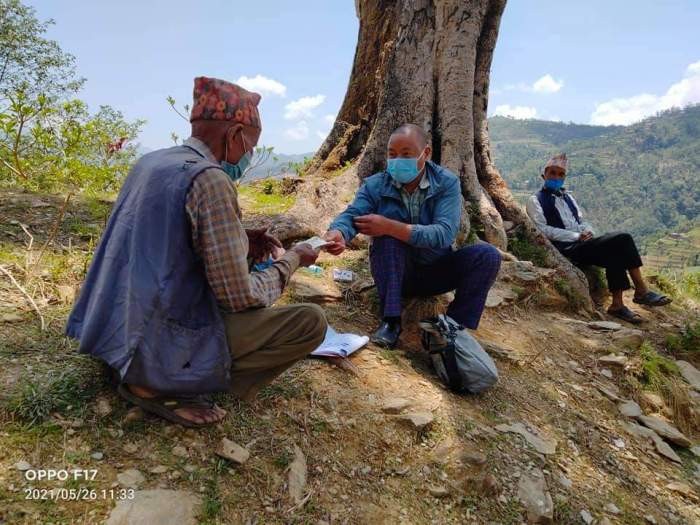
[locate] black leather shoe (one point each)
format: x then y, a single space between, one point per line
387 335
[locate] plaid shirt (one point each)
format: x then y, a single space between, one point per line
414 201
220 240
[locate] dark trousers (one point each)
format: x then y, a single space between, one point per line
470 271
616 252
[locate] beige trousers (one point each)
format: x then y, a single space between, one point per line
265 342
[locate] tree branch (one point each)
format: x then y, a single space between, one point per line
24 292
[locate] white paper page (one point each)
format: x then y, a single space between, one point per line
340 345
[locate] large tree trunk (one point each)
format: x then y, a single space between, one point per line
428 62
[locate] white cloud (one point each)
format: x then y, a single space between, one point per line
519 112
322 135
298 132
330 119
264 85
547 84
624 111
303 107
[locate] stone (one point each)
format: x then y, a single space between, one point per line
665 430
66 293
618 443
158 469
156 507
543 446
661 446
612 509
565 482
97 455
606 326
474 457
612 359
629 409
628 337
438 491
10 318
586 516
696 451
498 295
22 466
134 414
609 393
650 519
690 374
418 420
314 290
131 448
680 488
180 451
102 407
532 492
395 405
227 449
131 479
297 476
654 401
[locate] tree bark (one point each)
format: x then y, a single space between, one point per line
428 62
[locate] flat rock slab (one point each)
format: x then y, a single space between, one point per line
665 430
131 478
661 446
543 446
690 374
629 409
498 295
532 492
297 476
156 507
395 405
418 420
612 359
606 326
227 449
628 337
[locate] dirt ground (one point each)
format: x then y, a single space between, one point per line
364 465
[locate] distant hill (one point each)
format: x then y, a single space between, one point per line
277 165
643 178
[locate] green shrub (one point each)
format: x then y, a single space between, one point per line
655 368
688 340
524 250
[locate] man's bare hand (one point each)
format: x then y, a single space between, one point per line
335 237
261 244
307 255
585 236
373 225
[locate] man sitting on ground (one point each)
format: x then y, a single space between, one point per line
559 217
412 212
169 302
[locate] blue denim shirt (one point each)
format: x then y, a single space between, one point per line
439 218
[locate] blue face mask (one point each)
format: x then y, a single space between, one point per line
554 184
236 171
402 170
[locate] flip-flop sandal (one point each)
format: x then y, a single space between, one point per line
165 406
653 299
626 314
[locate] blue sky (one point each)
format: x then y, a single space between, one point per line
603 62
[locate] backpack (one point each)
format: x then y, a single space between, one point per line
459 360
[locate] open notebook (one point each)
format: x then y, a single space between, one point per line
339 345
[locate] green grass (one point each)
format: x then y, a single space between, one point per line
524 250
688 340
572 296
254 199
65 390
655 368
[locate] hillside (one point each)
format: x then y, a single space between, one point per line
643 178
377 437
277 165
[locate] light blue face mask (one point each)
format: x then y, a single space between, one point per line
237 170
403 170
554 184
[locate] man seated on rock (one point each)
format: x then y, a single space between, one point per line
412 213
559 217
169 302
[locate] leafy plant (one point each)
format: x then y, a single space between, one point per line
688 340
655 367
524 250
